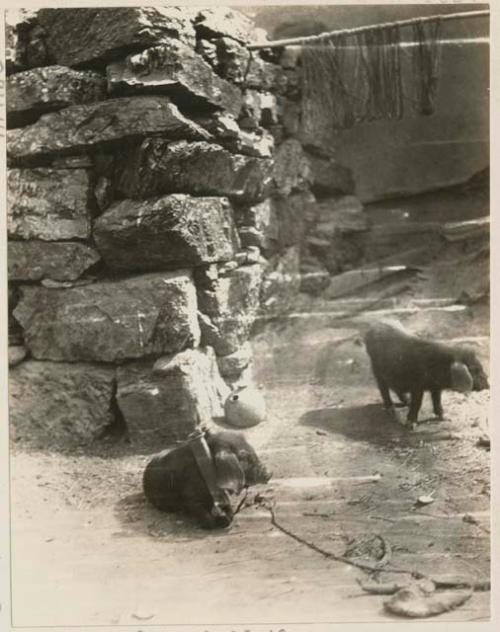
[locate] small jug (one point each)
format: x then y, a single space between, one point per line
245 407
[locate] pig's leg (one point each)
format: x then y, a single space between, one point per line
386 396
417 396
436 403
403 398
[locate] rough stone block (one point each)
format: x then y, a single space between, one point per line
16 353
34 260
54 404
157 167
232 365
228 310
111 321
91 37
235 64
24 45
48 204
222 22
166 232
34 92
81 128
176 70
226 131
164 401
330 178
292 169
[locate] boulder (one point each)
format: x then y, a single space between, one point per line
164 401
330 178
16 353
176 70
91 37
226 22
48 204
232 365
264 219
158 167
24 45
83 128
34 260
54 404
166 232
34 92
228 310
234 62
258 142
110 321
292 169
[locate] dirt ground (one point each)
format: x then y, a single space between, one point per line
88 550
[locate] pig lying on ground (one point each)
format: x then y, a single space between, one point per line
408 364
173 480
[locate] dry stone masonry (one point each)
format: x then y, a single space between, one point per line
162 193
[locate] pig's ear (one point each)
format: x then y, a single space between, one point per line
230 476
461 379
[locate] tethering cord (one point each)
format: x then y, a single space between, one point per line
310 39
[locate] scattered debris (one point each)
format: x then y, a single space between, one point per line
415 601
425 500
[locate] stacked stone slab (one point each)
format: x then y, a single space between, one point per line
160 194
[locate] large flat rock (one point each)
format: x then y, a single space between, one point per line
90 37
176 70
110 321
222 21
49 204
228 309
80 128
56 404
34 92
34 260
157 167
164 401
173 231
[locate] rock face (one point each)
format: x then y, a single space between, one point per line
166 232
24 45
48 204
35 92
157 167
232 365
110 321
177 71
54 404
291 216
35 260
81 128
228 309
165 401
222 22
292 169
330 178
85 37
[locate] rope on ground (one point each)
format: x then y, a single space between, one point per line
479 585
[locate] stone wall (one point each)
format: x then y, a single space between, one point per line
161 192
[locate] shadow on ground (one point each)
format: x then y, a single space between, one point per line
138 518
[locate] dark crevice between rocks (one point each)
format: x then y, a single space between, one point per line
117 430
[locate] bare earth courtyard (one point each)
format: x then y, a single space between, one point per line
88 550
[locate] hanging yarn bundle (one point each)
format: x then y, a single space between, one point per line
426 61
359 77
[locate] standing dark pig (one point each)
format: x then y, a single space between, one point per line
173 481
408 364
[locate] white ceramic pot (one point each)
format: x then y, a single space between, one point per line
245 407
